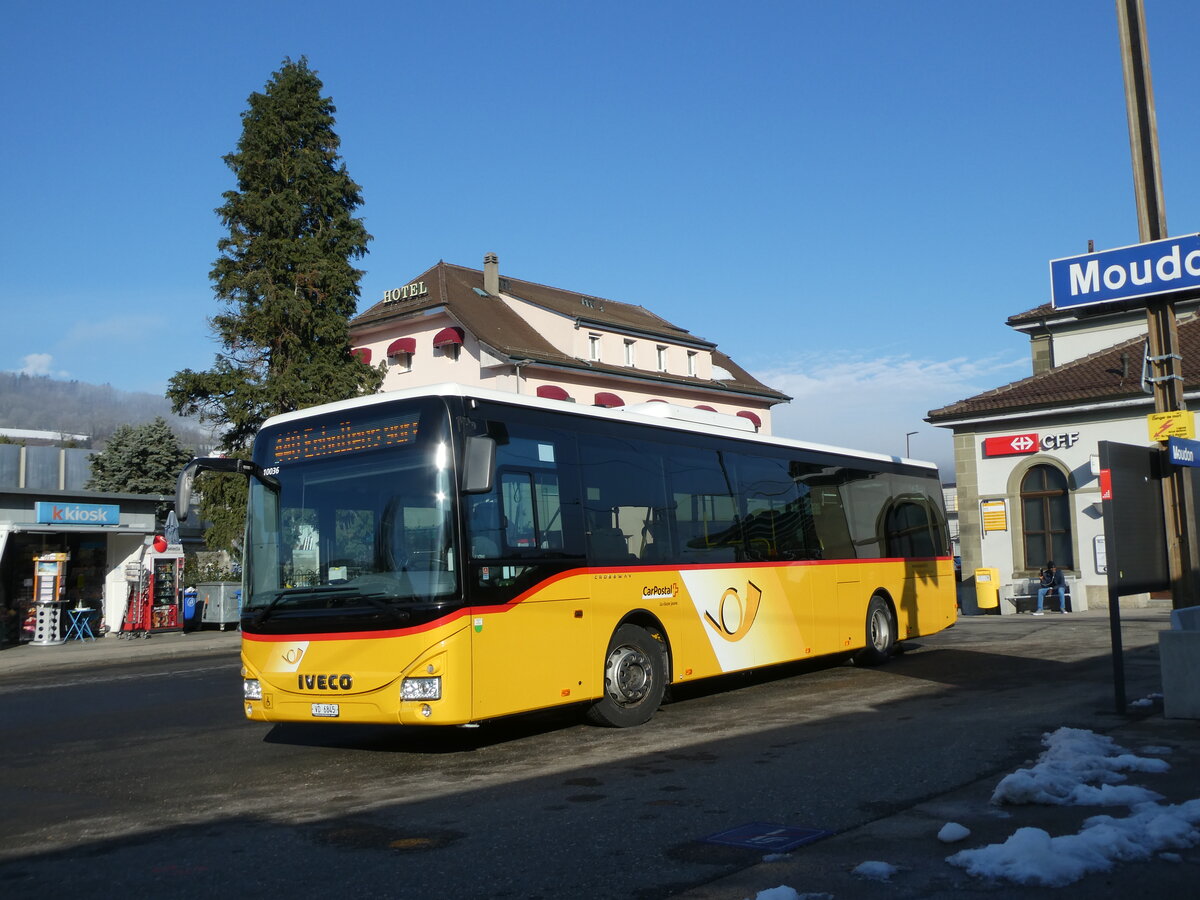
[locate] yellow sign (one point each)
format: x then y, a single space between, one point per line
1180 423
995 515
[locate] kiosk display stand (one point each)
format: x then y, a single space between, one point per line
49 571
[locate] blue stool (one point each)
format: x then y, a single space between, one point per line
80 628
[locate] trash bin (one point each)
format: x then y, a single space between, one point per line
1179 659
987 590
191 614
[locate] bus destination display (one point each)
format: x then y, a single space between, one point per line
315 442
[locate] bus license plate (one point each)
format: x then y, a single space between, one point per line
327 710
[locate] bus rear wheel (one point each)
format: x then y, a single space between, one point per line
881 634
635 672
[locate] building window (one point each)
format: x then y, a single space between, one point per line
661 352
1046 518
691 363
594 347
629 353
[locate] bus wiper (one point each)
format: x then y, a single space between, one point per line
300 592
400 615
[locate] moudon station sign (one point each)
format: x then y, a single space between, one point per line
1145 270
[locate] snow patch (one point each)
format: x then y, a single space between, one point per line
952 832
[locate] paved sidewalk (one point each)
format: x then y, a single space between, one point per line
908 839
23 658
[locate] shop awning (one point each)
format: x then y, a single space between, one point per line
753 417
448 337
44 528
604 398
706 408
363 354
552 392
402 345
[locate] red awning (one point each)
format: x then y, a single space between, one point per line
706 408
552 392
448 336
363 354
753 417
604 398
402 345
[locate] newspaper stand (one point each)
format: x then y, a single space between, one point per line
154 590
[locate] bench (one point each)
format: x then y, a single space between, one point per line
1024 594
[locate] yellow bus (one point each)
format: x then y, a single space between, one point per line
449 555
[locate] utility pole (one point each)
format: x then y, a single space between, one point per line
1160 313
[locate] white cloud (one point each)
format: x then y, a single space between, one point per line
872 403
40 364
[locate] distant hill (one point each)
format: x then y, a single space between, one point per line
39 403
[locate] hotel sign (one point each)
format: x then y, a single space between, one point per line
408 292
47 513
1126 273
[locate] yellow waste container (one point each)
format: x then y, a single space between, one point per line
987 588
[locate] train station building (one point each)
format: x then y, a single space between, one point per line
1026 453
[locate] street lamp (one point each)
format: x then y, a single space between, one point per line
907 444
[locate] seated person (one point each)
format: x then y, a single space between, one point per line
1052 578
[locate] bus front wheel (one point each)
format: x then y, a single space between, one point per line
635 672
881 634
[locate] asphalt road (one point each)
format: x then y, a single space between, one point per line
144 778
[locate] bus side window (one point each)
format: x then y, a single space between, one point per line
829 515
705 511
777 518
623 484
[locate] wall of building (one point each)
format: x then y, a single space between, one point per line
1081 341
1066 443
475 366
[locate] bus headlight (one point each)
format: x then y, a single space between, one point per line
421 688
252 689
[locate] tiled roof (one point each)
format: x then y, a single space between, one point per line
1031 315
1106 375
458 290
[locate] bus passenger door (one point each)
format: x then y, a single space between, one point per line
529 628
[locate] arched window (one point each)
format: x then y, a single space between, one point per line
1046 517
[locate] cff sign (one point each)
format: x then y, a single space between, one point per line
1126 273
1022 444
1010 445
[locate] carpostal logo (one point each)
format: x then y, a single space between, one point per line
733 616
660 592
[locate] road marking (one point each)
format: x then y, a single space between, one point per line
90 678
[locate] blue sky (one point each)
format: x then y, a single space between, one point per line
849 198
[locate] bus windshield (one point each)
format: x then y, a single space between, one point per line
362 516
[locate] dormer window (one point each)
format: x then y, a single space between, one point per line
691 363
661 354
594 347
630 352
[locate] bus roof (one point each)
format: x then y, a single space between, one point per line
653 414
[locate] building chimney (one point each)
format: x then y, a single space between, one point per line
491 274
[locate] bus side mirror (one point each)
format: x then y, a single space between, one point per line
479 464
183 489
183 484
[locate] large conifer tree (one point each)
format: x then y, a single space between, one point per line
284 272
285 278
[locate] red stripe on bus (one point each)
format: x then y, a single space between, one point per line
570 573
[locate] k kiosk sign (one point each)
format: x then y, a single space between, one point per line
47 513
